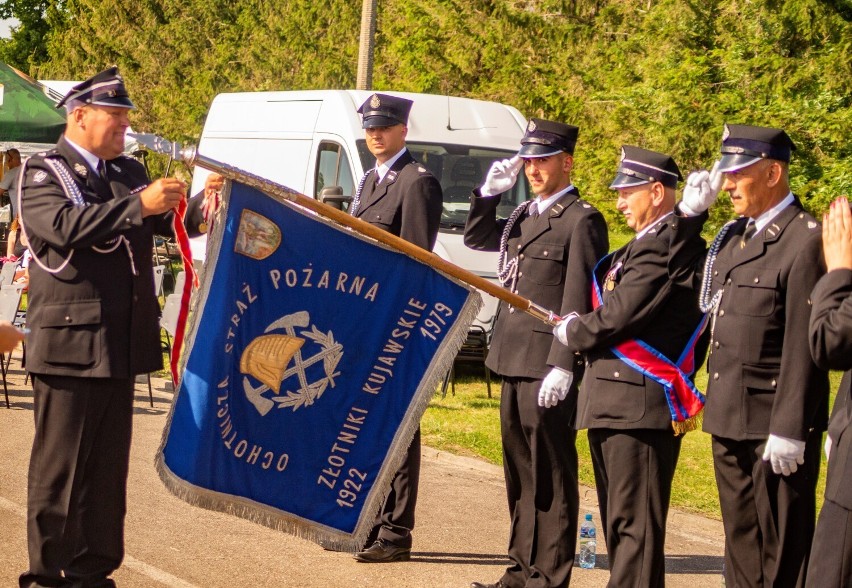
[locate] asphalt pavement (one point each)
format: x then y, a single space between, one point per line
460 536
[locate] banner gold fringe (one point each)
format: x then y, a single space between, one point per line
328 537
693 423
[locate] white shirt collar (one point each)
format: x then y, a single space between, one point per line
765 218
548 202
383 169
90 157
644 231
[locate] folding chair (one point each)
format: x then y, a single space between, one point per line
159 273
164 243
180 280
475 350
171 310
10 301
168 321
7 274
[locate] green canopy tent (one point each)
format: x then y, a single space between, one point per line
27 114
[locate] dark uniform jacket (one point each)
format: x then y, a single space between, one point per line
762 378
94 318
556 254
831 346
641 304
407 203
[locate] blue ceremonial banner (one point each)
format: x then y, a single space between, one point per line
311 355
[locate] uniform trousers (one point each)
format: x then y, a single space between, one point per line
768 518
540 466
830 564
395 520
77 489
633 475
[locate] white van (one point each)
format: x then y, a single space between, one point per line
312 142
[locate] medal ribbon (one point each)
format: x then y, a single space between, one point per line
186 257
685 401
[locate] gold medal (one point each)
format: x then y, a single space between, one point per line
610 279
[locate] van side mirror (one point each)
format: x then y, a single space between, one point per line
333 196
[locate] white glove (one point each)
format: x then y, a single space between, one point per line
554 387
827 447
785 455
502 176
701 189
560 331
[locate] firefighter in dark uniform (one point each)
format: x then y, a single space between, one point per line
633 432
553 243
766 399
831 347
402 197
90 215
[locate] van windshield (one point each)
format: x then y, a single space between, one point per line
460 169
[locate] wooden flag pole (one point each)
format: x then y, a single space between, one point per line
191 157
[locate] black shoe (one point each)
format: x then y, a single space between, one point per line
497 584
382 552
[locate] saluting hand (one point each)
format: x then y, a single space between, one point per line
701 189
161 196
837 235
502 176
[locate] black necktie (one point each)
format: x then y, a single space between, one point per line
533 209
102 171
751 229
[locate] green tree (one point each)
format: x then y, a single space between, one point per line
26 47
661 74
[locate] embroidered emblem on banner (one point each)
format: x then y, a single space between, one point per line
40 176
268 357
81 169
258 237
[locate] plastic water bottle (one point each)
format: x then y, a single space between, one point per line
588 543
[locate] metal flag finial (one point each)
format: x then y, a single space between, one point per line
159 144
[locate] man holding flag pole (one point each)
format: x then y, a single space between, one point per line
642 344
89 214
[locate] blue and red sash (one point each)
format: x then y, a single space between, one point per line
684 399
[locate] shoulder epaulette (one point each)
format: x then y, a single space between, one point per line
806 219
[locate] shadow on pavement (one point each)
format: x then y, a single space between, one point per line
694 564
485 559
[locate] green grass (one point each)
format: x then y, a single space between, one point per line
617 240
469 424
